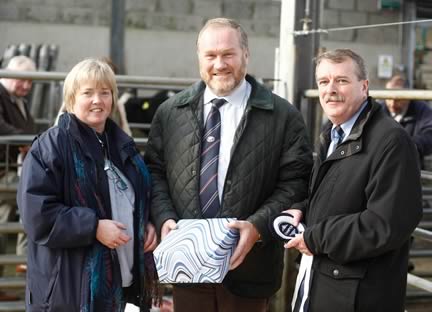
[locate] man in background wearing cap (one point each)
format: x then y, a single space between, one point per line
414 116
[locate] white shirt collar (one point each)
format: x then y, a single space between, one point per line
398 117
235 97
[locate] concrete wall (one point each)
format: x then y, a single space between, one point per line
160 34
368 42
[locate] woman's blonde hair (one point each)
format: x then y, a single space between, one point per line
89 70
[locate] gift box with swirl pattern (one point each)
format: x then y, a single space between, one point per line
197 251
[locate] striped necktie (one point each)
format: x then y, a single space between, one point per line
340 135
336 138
209 196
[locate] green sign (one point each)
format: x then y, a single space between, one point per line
389 4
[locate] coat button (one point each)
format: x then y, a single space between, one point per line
193 172
228 182
342 152
357 147
335 272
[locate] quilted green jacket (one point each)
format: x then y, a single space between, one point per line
268 172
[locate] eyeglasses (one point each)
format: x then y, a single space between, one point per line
115 177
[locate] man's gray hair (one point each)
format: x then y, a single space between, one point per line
340 56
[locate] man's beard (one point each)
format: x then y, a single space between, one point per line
227 85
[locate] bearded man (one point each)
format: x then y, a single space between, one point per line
228 147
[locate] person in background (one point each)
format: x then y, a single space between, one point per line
228 147
414 116
84 197
364 199
15 118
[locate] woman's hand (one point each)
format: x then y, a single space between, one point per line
150 238
111 233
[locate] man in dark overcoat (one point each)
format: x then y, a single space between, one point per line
364 199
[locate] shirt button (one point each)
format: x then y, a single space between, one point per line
335 272
342 152
228 182
193 172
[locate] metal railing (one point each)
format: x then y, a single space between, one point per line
45 111
403 94
153 82
416 281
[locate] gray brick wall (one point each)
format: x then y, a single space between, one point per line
267 11
36 13
367 5
173 15
353 19
238 9
9 11
146 5
178 6
344 35
207 8
339 13
260 18
341 4
330 18
382 18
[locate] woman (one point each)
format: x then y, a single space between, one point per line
84 197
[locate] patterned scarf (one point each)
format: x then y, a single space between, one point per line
101 288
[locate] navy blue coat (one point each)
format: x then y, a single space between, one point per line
418 123
59 232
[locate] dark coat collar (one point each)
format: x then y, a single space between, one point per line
86 136
3 90
353 143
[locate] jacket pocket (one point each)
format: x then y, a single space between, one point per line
339 271
41 284
52 281
334 286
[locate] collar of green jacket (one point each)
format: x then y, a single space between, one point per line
260 97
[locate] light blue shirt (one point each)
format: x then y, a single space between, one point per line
346 127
